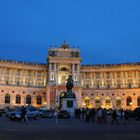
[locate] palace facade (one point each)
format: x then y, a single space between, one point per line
108 86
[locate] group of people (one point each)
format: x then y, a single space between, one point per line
101 115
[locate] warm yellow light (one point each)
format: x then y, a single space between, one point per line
83 104
90 106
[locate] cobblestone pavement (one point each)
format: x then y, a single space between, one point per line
68 129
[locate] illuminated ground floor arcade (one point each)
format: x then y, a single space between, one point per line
50 97
118 98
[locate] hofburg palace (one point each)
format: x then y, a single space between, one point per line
36 84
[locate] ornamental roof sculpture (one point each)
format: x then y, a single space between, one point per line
64 45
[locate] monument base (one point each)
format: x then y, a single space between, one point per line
69 104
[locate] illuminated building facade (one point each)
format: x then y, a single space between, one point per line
110 85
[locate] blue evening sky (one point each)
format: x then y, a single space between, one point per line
107 31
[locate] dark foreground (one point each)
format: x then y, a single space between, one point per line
67 129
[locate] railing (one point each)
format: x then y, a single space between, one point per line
110 87
6 83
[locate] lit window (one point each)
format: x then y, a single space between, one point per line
7 98
39 100
18 99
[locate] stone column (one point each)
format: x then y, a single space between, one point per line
25 82
42 78
123 79
3 75
36 77
94 81
91 84
112 80
55 73
10 76
45 78
133 79
102 79
126 78
49 72
84 79
48 97
21 76
137 82
78 74
115 79
14 76
73 70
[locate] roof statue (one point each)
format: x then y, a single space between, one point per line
64 45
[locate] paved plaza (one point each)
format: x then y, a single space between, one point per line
68 129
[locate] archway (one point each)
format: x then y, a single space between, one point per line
7 98
107 102
28 100
128 101
87 102
39 100
97 102
18 99
138 101
118 102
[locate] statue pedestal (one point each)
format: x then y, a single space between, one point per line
69 104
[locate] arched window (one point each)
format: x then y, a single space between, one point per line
107 101
138 101
128 101
18 99
87 101
97 102
28 99
39 100
7 98
118 102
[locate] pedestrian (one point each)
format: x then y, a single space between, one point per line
114 117
126 117
87 115
100 115
104 115
83 113
24 114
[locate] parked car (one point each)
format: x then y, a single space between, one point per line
15 115
31 113
9 110
46 113
63 114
